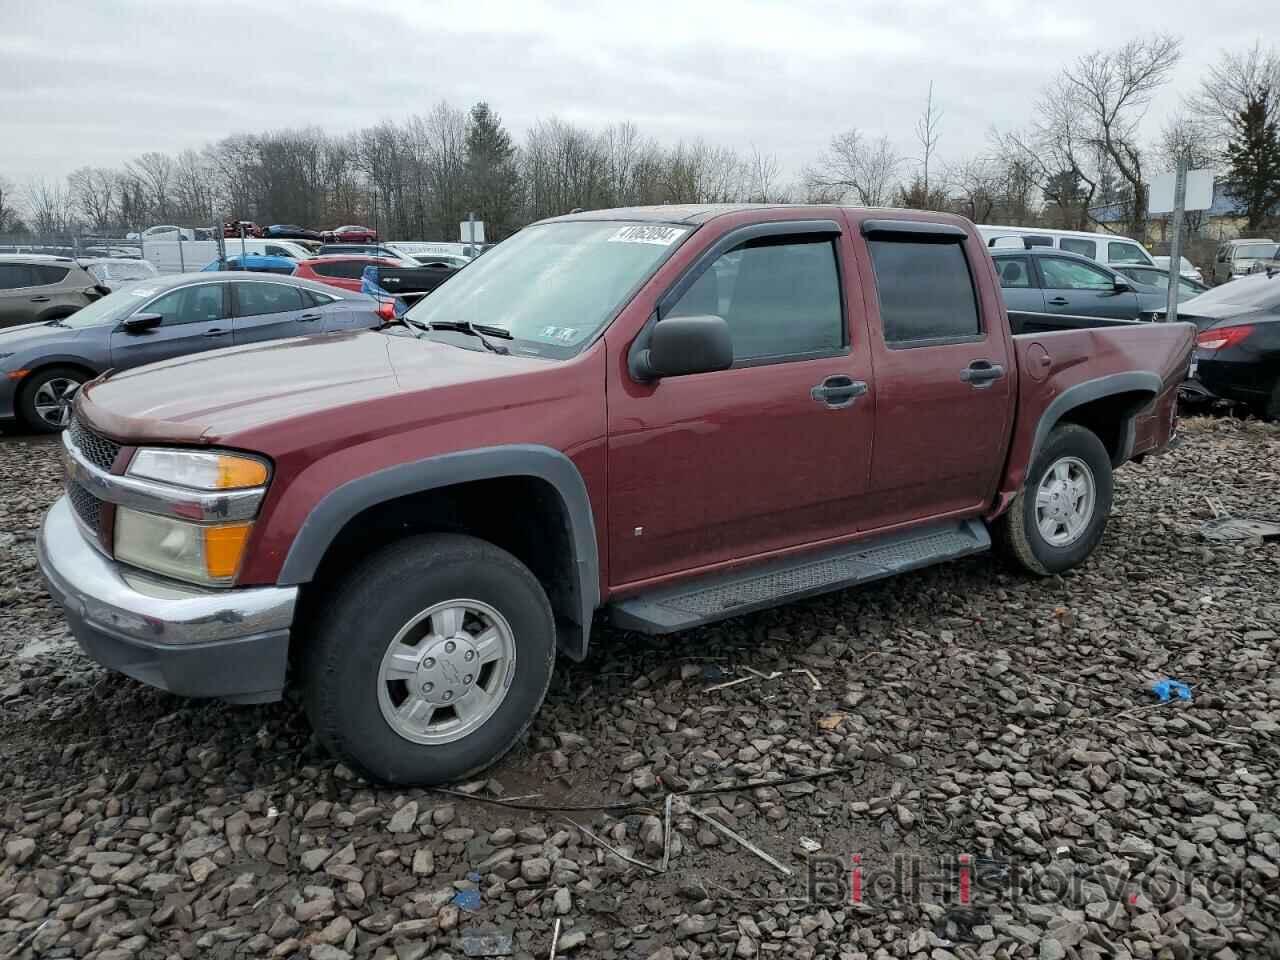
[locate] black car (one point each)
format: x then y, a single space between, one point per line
1237 355
1158 279
290 231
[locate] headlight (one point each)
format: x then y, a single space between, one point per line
198 470
200 553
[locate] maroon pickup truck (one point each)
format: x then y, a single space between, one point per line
662 416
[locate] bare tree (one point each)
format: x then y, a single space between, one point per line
928 129
1231 84
976 186
155 172
1110 90
9 220
93 191
763 175
855 168
49 207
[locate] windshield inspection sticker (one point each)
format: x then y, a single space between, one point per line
648 233
565 334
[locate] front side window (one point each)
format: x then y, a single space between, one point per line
199 304
1086 248
552 286
926 291
1062 274
14 276
348 269
256 299
1125 253
779 296
1014 272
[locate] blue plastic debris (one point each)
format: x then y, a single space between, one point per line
1165 689
473 877
467 899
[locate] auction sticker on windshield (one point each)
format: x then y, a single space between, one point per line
662 236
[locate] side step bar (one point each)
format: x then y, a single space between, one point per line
723 595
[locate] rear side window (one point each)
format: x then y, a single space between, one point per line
318 299
780 298
1014 272
1086 248
351 269
256 299
926 291
46 274
1125 253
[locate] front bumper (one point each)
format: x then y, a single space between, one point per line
232 644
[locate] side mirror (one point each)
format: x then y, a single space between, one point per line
683 345
1122 285
141 322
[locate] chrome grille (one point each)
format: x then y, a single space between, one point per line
87 507
99 451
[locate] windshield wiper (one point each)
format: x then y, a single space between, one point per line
477 330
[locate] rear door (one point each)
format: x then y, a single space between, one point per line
943 372
1019 284
1083 290
265 310
193 319
17 281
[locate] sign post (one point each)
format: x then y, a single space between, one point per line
471 231
1175 246
1174 194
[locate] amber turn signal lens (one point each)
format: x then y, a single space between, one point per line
223 547
237 472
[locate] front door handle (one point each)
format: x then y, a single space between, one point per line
308 317
216 332
981 373
838 391
1059 301
39 299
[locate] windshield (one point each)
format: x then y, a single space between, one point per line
1258 292
112 307
553 286
1254 251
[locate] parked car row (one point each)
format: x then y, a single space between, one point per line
353 233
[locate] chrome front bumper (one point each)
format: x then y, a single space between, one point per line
232 644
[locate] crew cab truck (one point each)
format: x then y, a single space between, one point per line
660 417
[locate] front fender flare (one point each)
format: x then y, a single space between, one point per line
339 506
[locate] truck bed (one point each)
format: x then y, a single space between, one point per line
1025 321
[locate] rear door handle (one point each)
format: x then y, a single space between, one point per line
308 317
981 373
215 332
838 391
39 299
1059 301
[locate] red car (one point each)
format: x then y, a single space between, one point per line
351 233
232 228
340 270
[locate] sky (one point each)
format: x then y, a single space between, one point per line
98 82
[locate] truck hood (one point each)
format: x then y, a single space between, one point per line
222 396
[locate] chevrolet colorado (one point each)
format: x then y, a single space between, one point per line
661 416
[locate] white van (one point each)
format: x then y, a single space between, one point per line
1108 248
269 248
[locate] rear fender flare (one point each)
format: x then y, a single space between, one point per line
1141 381
339 506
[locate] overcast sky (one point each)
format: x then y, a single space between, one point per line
99 81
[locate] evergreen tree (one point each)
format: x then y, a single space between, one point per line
493 185
1253 155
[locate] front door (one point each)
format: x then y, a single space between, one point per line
270 311
192 319
771 453
944 379
1083 290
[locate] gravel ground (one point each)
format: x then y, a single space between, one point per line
960 712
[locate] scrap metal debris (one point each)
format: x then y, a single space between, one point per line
477 942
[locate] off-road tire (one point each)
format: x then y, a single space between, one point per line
340 663
1017 537
31 386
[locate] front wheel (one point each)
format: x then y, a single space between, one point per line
431 661
45 401
1058 517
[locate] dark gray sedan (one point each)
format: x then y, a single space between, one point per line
1048 280
43 364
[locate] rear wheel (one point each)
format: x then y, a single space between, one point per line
45 401
431 661
1057 519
